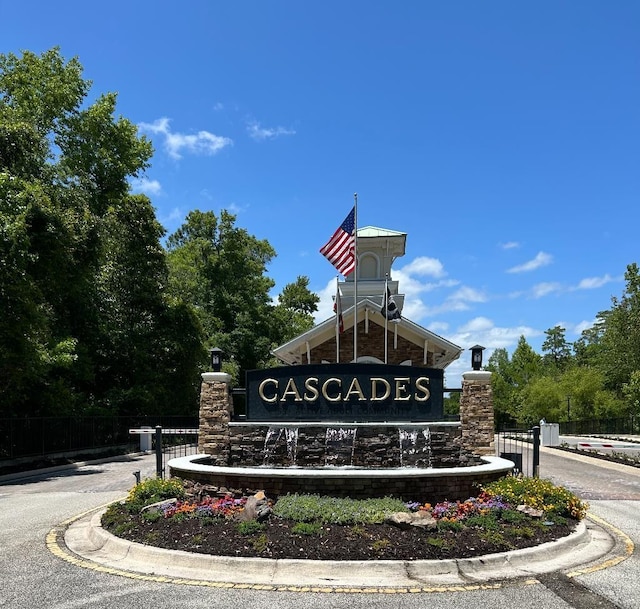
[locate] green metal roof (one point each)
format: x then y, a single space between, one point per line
374 231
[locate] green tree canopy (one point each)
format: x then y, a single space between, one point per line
82 272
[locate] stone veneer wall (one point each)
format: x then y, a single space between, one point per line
422 488
476 412
216 407
375 446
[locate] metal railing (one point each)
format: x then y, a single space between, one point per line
624 425
167 443
37 437
522 446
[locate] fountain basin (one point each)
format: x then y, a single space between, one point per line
409 484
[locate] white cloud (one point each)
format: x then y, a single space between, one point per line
175 143
544 289
146 186
173 218
541 259
259 133
482 331
325 306
422 265
591 283
509 245
580 327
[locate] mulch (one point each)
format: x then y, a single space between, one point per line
335 542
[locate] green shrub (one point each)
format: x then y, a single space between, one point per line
380 544
260 543
540 494
488 521
336 510
449 525
153 490
249 527
114 516
151 515
305 528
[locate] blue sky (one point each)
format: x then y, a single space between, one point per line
503 137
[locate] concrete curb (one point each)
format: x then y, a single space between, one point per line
86 538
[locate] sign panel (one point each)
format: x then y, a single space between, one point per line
345 393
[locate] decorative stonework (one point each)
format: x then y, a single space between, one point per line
216 408
476 412
243 444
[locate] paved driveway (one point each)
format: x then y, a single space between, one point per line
33 577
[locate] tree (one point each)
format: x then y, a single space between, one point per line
293 315
82 273
221 270
503 390
620 343
556 349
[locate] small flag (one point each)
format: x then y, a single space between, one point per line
340 249
389 308
337 308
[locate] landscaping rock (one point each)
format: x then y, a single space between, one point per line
529 511
406 520
256 508
159 506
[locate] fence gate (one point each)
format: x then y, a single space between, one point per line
167 444
522 446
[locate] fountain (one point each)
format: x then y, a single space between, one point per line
290 444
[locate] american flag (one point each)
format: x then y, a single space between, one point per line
340 249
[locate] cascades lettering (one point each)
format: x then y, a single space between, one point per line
345 392
335 389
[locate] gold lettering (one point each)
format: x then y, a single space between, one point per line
401 389
327 397
262 395
356 389
421 386
310 385
374 389
291 389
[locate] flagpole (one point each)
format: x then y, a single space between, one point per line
385 309
355 280
338 313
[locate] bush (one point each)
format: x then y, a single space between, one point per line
250 527
151 491
336 510
540 494
305 528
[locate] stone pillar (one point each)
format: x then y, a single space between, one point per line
216 406
476 412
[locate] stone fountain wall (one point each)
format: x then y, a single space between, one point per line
375 446
431 462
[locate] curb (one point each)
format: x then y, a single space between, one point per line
593 545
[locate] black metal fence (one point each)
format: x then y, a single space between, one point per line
522 446
622 426
47 436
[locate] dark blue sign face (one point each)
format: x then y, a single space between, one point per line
345 392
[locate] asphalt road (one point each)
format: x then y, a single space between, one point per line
33 577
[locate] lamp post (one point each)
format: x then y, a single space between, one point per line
216 359
476 356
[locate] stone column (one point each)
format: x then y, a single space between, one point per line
476 412
216 406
